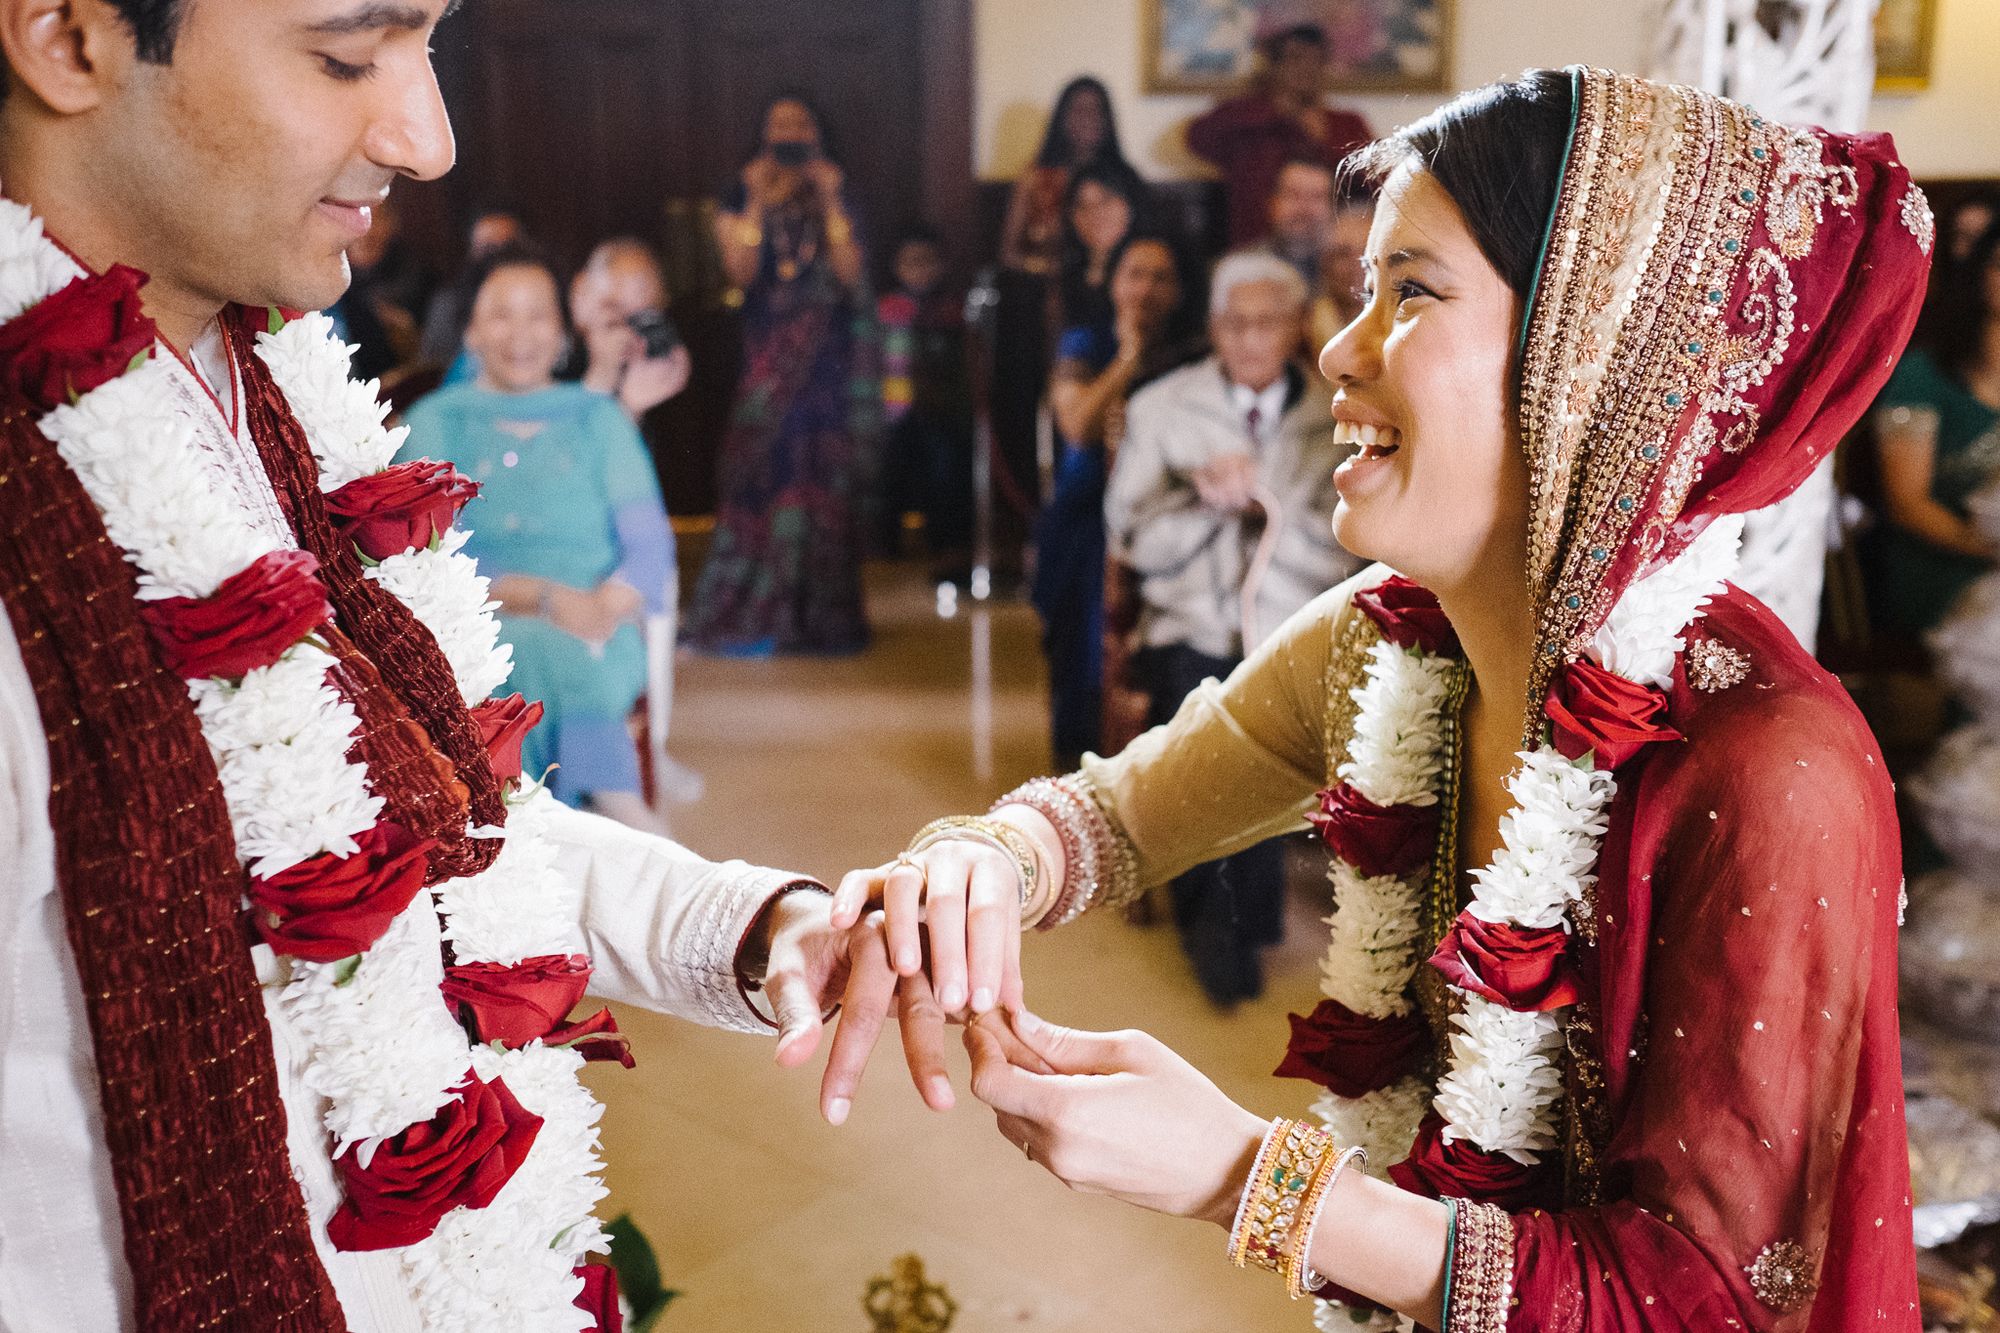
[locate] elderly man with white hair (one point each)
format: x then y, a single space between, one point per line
1221 504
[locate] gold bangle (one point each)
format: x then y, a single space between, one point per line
1011 842
1279 1185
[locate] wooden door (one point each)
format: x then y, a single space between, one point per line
596 118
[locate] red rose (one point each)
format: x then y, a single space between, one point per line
402 509
334 907
503 725
1440 1170
1529 971
599 1297
595 1038
1376 839
1594 711
459 1158
85 335
246 623
1408 615
517 1004
1350 1053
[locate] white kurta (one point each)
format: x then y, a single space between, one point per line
661 924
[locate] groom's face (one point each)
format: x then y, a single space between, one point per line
254 158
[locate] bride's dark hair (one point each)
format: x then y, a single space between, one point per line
1498 151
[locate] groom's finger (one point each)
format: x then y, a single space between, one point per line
923 1041
1013 991
871 988
796 1005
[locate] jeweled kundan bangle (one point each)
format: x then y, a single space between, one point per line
1270 1218
1100 867
1300 1279
1009 841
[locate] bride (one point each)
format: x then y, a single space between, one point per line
1609 1031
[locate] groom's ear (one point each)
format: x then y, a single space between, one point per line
68 55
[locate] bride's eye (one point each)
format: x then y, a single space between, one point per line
1409 289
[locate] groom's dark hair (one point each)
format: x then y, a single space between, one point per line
154 24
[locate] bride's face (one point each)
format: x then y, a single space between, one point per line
1438 487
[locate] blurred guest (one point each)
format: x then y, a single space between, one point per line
568 524
1221 504
1106 201
1965 222
385 296
1300 218
631 350
443 340
1337 298
927 401
784 572
1082 130
1284 116
1097 366
1937 428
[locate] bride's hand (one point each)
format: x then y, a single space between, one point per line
1118 1114
967 896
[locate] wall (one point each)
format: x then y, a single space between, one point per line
1027 49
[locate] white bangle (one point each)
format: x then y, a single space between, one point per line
1309 1278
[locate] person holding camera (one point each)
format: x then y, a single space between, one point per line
631 349
784 573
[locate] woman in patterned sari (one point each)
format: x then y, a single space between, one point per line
1611 989
784 573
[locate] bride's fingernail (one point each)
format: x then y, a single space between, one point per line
941 1091
951 998
906 961
836 1111
1027 1024
982 1000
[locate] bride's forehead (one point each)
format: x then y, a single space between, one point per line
1416 214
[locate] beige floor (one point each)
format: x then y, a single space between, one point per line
766 1218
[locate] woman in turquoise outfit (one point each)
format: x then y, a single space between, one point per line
1938 427
569 526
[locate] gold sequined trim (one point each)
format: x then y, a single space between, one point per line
1658 311
1482 1269
1785 1277
1586 1111
1354 634
1714 667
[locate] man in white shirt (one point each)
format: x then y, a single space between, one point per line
232 149
1221 504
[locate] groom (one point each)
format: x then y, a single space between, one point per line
169 1089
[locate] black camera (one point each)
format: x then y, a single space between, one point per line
658 331
792 153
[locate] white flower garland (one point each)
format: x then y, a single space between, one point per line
511 1262
383 1046
1504 1076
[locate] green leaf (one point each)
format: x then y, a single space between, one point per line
275 319
366 563
1587 761
638 1273
437 539
141 359
344 970
74 396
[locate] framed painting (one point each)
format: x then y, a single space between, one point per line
1210 46
1904 33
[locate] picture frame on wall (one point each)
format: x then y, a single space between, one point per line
1905 34
1210 46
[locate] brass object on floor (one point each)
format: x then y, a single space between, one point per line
902 1301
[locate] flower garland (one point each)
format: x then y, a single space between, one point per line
1507 957
517 1256
478 1164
